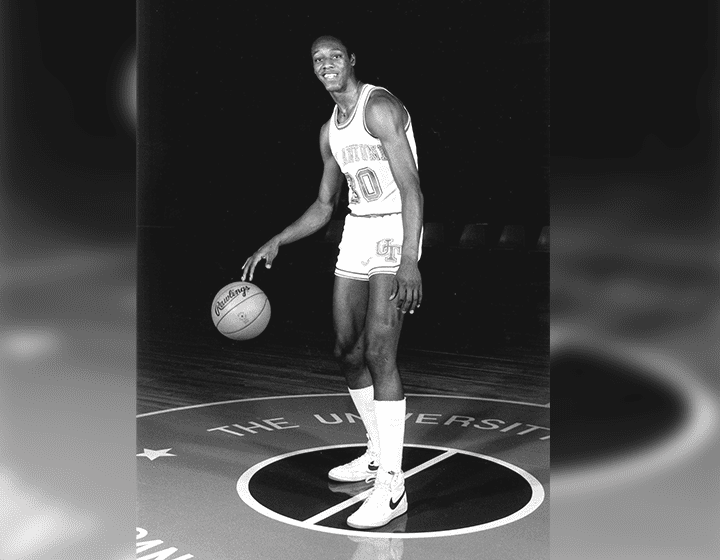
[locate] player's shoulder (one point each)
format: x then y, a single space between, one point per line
381 99
325 129
384 108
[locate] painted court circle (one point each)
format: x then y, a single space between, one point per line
536 498
476 468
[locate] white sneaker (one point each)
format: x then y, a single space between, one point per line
364 468
387 500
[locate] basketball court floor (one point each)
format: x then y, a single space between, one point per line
246 479
234 439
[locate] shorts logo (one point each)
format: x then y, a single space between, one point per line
386 249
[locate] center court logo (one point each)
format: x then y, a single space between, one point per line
471 465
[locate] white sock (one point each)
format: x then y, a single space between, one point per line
364 400
391 427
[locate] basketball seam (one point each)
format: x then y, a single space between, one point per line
234 306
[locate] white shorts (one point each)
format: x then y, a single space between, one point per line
371 245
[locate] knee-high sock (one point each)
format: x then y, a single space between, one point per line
364 400
391 427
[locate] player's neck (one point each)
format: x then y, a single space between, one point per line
347 99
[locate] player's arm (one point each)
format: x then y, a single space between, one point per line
314 218
385 119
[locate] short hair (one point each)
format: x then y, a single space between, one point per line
343 41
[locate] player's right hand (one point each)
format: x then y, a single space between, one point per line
268 252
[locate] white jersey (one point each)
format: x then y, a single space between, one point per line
361 157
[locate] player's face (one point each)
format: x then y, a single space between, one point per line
332 65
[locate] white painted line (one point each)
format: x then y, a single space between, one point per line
504 401
414 395
339 507
431 462
203 405
359 497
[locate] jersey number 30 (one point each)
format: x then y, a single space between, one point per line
366 182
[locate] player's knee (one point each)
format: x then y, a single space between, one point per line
347 354
379 358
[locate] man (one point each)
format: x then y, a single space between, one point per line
369 142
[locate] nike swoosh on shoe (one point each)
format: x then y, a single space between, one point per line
394 505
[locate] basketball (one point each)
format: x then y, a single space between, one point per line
241 311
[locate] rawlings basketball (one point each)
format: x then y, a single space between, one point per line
241 311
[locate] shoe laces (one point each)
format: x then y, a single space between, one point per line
382 483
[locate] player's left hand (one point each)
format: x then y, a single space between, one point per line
407 288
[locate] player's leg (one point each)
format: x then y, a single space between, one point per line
350 299
383 325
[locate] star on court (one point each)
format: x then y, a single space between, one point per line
153 454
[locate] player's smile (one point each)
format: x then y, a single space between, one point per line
329 74
331 63
332 78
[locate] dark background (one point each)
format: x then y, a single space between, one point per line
228 155
231 110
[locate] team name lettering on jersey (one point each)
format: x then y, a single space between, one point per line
363 152
365 162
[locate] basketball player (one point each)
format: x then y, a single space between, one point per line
369 142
